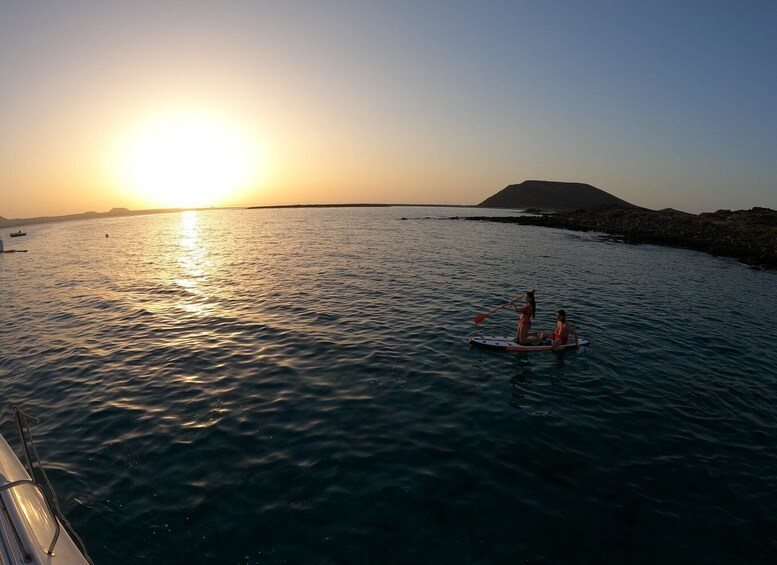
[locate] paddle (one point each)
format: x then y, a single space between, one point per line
479 318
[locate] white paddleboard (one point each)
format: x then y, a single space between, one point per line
502 343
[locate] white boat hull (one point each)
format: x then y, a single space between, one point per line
27 525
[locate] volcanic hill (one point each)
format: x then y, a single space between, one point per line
550 195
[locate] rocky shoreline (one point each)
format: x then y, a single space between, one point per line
747 235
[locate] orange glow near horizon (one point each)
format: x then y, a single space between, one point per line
186 160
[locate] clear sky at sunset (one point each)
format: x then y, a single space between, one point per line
153 104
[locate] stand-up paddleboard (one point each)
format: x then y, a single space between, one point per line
502 343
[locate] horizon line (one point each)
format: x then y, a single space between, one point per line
118 212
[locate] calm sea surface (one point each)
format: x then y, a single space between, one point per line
295 386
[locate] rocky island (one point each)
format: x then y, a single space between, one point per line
747 235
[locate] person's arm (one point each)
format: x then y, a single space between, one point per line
519 310
574 333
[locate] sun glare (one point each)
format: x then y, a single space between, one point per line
189 161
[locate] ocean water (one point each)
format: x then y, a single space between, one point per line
294 385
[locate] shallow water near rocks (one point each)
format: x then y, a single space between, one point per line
294 385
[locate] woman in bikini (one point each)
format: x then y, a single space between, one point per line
527 313
559 336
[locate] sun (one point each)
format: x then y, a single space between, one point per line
188 160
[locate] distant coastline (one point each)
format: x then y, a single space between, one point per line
123 212
747 235
113 213
359 206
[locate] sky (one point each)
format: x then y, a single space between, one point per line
231 103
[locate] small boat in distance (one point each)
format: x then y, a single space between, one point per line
18 233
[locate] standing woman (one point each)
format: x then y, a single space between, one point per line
527 313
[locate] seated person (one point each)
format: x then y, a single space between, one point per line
559 336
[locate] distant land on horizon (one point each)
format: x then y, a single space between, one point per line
112 213
530 194
552 195
119 212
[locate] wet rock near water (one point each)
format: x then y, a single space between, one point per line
747 235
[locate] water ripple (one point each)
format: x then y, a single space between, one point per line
297 382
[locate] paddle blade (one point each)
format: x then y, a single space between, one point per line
479 318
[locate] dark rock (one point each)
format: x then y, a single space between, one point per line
747 235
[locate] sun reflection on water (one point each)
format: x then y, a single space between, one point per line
194 263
